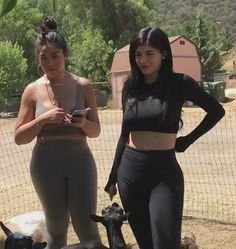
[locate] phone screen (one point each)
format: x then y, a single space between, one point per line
78 113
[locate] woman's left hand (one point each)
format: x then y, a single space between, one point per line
79 121
181 144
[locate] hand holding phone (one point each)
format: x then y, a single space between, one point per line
78 117
78 113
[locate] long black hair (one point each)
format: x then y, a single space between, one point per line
134 86
49 35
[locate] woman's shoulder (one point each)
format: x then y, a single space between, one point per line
29 92
81 80
178 76
182 79
182 83
176 81
30 87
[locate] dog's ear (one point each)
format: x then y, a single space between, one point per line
6 230
96 218
115 204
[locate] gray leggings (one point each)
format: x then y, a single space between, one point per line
65 178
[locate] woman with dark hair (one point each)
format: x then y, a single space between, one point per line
62 166
150 180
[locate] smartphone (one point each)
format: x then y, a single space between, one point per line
78 113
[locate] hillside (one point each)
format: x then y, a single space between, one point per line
175 12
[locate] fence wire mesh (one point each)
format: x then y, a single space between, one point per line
208 167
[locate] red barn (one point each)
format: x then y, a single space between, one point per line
185 60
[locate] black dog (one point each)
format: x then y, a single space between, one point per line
20 241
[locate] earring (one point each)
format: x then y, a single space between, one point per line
163 58
40 70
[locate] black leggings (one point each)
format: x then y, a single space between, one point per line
151 188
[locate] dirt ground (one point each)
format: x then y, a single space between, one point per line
209 234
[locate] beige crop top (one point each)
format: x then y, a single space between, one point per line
52 129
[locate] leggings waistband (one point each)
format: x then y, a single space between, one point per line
150 151
65 139
149 155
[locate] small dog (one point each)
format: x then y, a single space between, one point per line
20 241
189 242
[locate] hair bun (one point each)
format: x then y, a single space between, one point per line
49 23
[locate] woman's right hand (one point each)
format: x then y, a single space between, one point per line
112 191
56 115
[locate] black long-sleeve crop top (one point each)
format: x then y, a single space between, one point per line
155 113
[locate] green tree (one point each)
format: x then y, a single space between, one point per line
118 19
90 55
227 40
20 26
7 6
208 52
13 67
139 15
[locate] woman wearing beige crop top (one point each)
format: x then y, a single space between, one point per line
62 167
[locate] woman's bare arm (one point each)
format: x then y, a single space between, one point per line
26 127
90 125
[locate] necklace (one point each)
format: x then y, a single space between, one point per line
55 99
51 96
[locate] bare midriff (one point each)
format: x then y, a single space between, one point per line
147 140
80 138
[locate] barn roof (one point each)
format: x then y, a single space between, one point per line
120 62
174 38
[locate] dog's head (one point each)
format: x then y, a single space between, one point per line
20 241
111 215
189 242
